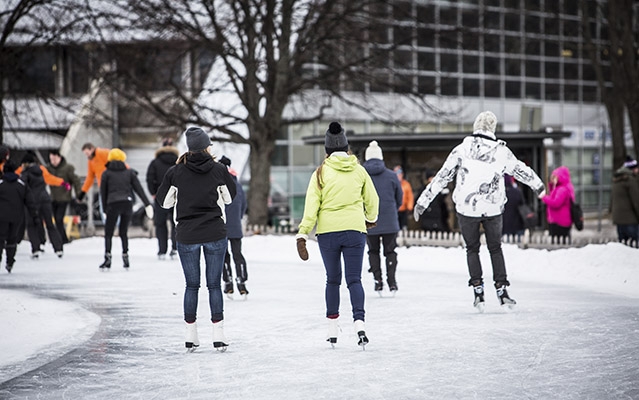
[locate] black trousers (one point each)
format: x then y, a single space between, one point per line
241 272
59 211
162 217
8 240
122 210
389 241
35 231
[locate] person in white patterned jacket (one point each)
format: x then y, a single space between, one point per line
478 166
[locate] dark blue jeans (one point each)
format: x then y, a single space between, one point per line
349 245
214 261
470 231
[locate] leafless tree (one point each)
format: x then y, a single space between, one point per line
615 63
265 53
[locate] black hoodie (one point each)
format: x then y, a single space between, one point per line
14 196
199 190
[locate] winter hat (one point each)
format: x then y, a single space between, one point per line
430 173
116 155
373 151
196 139
630 163
485 124
28 158
10 166
335 138
226 161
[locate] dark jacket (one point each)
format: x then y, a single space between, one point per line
435 217
65 171
389 190
32 177
14 196
513 223
625 197
118 184
165 158
198 189
235 211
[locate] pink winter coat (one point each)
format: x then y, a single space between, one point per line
558 199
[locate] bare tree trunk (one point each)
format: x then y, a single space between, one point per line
260 183
615 107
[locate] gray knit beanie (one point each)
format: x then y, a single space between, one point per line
335 138
196 139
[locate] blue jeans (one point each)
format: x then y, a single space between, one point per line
350 245
214 259
470 231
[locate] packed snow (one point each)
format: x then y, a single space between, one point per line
72 331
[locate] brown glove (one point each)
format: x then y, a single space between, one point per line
370 225
301 249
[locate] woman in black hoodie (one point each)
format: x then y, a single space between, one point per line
116 189
199 188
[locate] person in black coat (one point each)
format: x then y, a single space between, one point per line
199 187
234 213
15 195
32 175
435 217
513 224
165 158
116 190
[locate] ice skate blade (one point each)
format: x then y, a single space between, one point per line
229 296
220 346
363 340
508 307
244 296
379 293
481 307
332 341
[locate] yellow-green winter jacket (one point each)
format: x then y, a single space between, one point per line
346 200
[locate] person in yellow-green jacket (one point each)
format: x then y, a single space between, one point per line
341 200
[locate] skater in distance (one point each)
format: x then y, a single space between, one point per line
478 166
341 200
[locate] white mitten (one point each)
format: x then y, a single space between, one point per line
149 211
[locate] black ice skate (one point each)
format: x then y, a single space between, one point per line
502 295
241 287
392 286
125 260
228 289
479 297
362 340
107 262
379 286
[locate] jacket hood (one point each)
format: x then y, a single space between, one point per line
200 162
622 173
116 165
374 166
10 176
482 148
167 151
563 179
340 163
33 169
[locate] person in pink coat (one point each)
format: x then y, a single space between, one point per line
561 193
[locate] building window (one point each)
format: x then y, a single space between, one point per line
34 72
425 37
471 87
512 44
513 89
532 68
513 67
552 70
471 64
427 85
512 22
491 43
552 91
492 65
448 62
78 71
533 90
449 86
426 14
492 88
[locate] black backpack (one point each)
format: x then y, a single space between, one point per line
577 215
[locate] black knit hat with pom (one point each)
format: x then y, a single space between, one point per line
335 138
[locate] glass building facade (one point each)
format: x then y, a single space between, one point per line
523 59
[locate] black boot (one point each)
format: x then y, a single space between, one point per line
107 261
241 286
125 260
